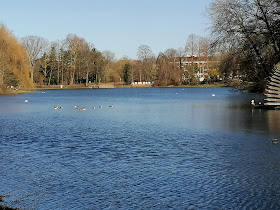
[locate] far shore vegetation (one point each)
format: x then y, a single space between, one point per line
242 52
119 85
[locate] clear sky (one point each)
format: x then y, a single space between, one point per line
120 26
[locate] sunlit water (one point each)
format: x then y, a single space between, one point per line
157 148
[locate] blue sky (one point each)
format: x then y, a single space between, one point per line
120 26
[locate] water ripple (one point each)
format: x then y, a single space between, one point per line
159 153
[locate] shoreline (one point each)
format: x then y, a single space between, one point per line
14 92
112 85
103 86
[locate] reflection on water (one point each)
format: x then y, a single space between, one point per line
272 119
178 148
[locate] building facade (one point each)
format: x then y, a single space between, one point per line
198 67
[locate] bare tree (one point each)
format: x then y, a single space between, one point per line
35 47
171 54
250 31
109 57
146 56
168 71
74 45
58 47
180 53
144 52
89 58
191 47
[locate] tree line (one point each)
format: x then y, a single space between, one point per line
75 61
245 40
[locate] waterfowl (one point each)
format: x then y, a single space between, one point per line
253 102
76 107
100 106
93 107
82 109
26 101
213 94
274 141
61 107
111 106
55 107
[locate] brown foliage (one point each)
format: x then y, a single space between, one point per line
168 71
14 63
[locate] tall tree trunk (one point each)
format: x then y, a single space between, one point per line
50 78
58 72
2 59
87 79
62 72
62 75
32 73
87 74
1 77
72 77
45 71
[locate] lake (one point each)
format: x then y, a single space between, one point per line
156 148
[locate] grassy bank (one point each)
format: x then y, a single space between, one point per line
4 91
112 85
13 92
207 85
170 86
75 86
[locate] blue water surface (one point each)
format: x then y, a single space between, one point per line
157 148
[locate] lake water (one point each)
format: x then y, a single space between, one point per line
157 148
